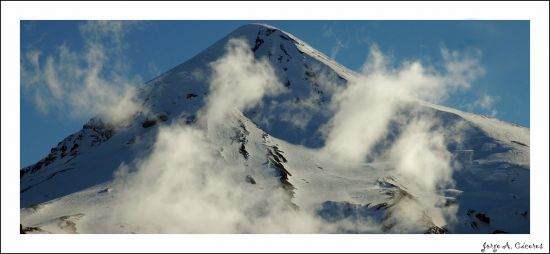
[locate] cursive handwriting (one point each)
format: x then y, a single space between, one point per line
494 247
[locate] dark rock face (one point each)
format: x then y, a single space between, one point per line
96 130
151 121
258 42
240 136
436 230
334 211
24 230
383 212
250 179
483 218
275 159
519 143
148 123
101 131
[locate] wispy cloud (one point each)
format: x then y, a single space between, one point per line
328 31
462 67
238 82
485 104
111 30
336 49
84 82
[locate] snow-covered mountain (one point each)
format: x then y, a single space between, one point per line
269 149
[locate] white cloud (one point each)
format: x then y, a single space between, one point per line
238 82
462 67
154 71
328 31
420 155
113 30
299 119
51 79
33 58
84 82
485 103
198 75
336 49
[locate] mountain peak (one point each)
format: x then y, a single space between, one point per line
257 26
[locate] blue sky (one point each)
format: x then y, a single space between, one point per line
149 48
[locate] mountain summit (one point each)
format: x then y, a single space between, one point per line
240 139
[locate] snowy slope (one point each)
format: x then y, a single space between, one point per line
276 143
